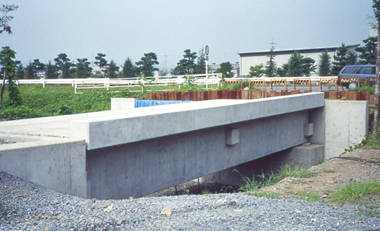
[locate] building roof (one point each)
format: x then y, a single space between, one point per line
314 49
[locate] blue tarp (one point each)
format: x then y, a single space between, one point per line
149 103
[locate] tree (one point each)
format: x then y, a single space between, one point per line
295 64
101 61
226 69
270 68
298 65
30 71
201 62
367 53
112 70
308 66
83 68
4 19
20 71
376 10
146 64
38 66
256 71
129 70
187 64
8 69
63 64
51 71
340 60
283 70
351 58
324 65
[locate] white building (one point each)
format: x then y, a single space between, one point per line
248 59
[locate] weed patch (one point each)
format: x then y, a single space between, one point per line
356 192
294 171
265 194
267 179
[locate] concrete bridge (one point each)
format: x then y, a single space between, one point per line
133 152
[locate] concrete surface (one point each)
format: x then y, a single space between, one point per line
58 164
346 125
140 168
122 103
125 126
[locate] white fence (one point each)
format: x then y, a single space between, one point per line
203 79
209 79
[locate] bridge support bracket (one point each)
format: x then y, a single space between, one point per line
308 129
232 136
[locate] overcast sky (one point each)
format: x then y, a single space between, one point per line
129 28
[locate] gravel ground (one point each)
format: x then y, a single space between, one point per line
27 206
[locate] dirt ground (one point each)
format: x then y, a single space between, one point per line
332 175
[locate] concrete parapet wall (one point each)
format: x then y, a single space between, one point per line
58 164
346 125
153 122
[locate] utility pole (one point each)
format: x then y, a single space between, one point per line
165 64
272 43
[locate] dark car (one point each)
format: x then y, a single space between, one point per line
365 73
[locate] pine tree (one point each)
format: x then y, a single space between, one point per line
20 71
340 60
112 70
83 68
101 61
367 53
146 64
62 62
270 69
351 58
51 71
187 64
201 62
129 70
295 65
256 71
30 71
226 69
324 64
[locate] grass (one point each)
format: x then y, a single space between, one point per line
306 195
265 194
267 179
295 171
355 192
58 100
328 171
371 211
